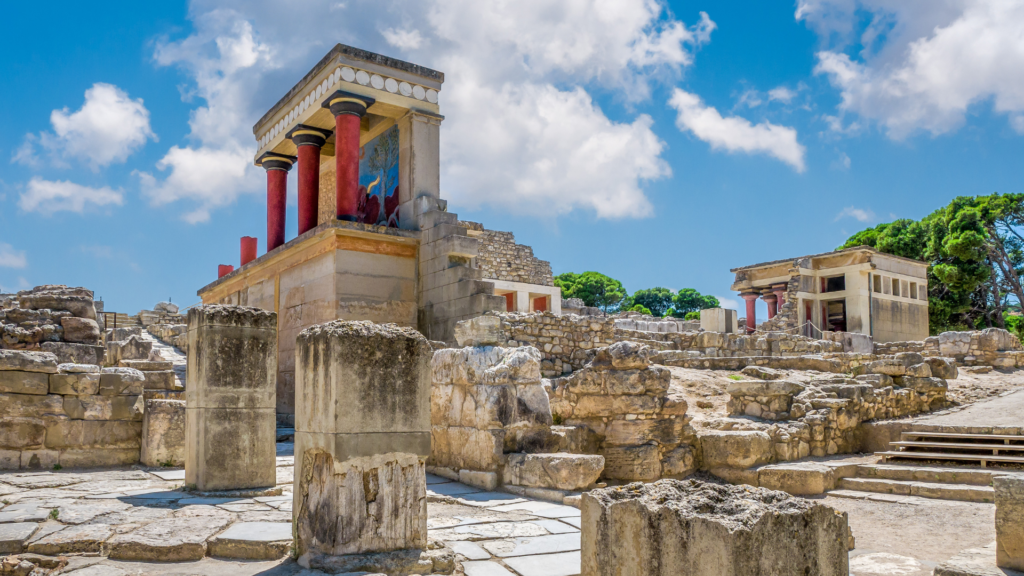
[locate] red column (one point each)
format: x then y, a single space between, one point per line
277 167
780 296
309 140
248 249
770 300
751 298
224 269
348 110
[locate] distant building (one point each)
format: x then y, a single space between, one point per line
859 290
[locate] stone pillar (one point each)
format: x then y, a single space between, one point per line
224 269
309 140
362 435
230 400
248 249
163 433
770 300
419 162
277 167
780 296
751 298
1009 521
348 110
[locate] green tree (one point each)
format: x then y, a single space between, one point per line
594 288
657 300
689 300
639 308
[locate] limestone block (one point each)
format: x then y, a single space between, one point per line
632 462
623 356
611 406
477 479
489 365
875 380
96 407
31 405
163 433
718 320
133 348
1009 521
80 330
762 388
735 449
925 385
76 368
19 382
98 457
230 402
922 370
676 527
469 448
635 432
942 368
558 471
479 331
77 353
762 373
148 365
678 463
575 439
75 384
21 433
65 433
26 361
117 383
889 367
79 305
801 479
166 307
954 343
160 380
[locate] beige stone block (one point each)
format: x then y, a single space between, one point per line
163 433
636 432
39 459
611 406
20 433
479 331
236 357
31 405
160 380
10 459
1009 521
557 471
98 407
466 448
20 382
74 384
98 457
800 479
632 463
735 449
118 384
230 448
63 433
477 479
28 361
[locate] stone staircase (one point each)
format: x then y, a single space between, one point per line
957 447
123 320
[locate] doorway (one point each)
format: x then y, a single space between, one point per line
836 315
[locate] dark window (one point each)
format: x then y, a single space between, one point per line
835 284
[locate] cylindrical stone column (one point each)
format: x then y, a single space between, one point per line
231 398
248 249
780 296
751 298
308 140
348 110
770 300
277 167
224 269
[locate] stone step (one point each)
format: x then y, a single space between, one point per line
939 474
941 491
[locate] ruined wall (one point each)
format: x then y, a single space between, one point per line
67 414
892 320
500 258
53 318
990 347
788 317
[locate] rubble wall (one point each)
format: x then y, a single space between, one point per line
500 258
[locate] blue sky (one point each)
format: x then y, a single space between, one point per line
659 143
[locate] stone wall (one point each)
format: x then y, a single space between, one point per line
54 318
641 430
990 347
788 317
500 258
72 415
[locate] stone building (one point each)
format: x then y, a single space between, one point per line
858 290
524 280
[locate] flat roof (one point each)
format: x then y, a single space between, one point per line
351 53
851 249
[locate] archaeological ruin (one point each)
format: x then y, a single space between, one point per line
396 391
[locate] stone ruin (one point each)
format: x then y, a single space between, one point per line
675 527
55 319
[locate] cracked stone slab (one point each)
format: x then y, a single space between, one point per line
577 522
13 536
72 540
488 531
555 526
451 489
82 511
253 541
470 550
534 545
485 568
26 512
543 509
488 499
564 564
169 474
168 540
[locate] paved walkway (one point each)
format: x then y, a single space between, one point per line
1004 410
168 352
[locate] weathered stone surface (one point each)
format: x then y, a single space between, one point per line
762 373
942 368
160 380
78 301
98 407
116 384
735 449
76 368
73 539
479 331
63 434
133 348
253 541
1009 521
558 471
623 356
760 388
801 479
74 384
490 365
148 365
27 361
80 330
632 462
14 535
168 540
31 405
163 433
168 307
230 401
397 563
19 382
75 353
687 527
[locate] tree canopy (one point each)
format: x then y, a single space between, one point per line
657 300
689 300
594 288
976 256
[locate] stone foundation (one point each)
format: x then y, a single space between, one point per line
689 527
1009 521
163 433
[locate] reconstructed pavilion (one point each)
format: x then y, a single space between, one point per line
859 290
376 241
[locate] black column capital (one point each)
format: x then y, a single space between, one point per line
341 102
275 161
305 135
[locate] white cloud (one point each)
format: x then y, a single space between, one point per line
859 214
842 163
48 197
521 128
923 64
735 134
108 128
11 258
782 94
728 303
403 39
